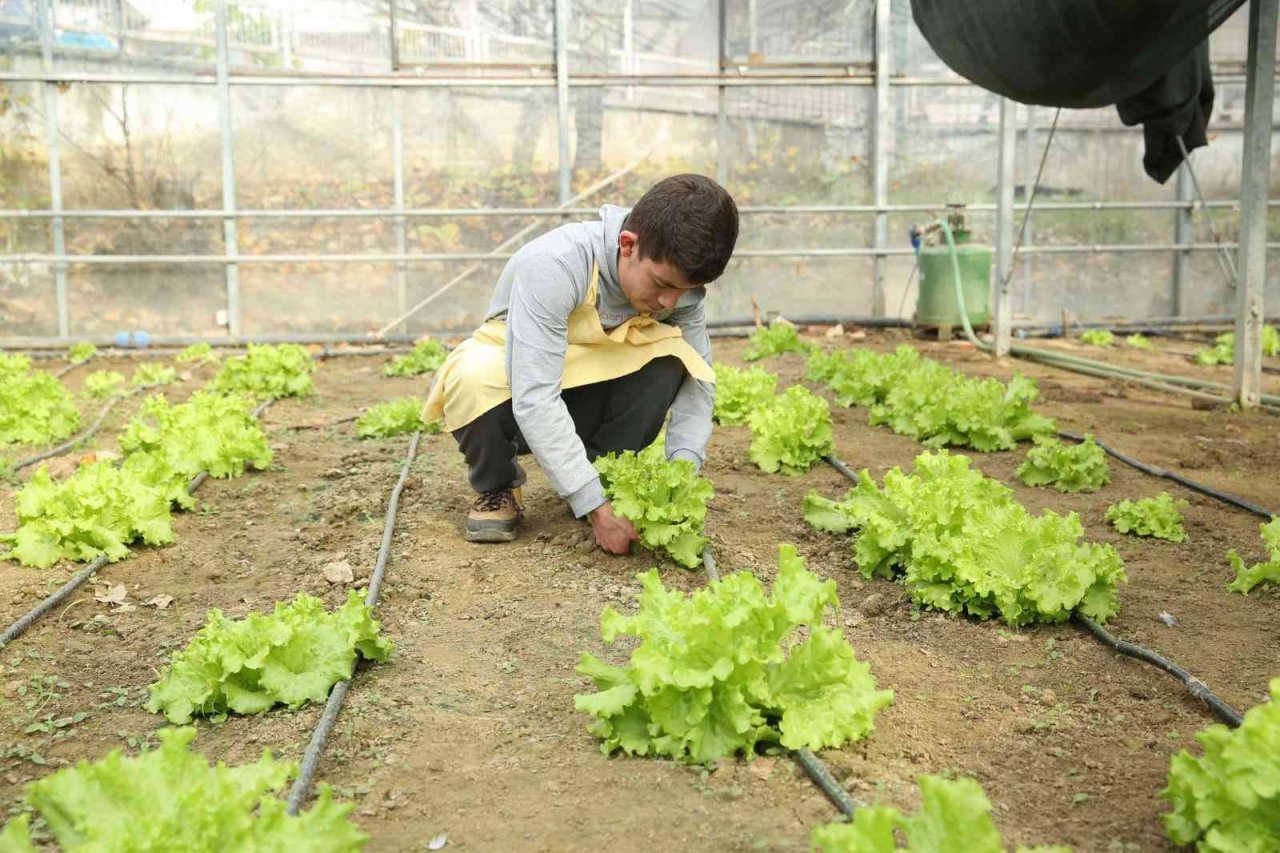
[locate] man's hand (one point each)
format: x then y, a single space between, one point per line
614 533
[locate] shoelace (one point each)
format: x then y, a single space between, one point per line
491 501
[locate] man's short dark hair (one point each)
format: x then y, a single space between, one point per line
689 221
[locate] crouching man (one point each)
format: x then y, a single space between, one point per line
596 330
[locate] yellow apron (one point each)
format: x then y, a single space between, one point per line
473 379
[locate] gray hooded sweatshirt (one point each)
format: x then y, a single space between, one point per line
542 283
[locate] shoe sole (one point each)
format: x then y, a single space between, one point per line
491 536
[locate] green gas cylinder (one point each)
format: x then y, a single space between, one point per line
936 302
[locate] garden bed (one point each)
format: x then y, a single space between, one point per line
471 730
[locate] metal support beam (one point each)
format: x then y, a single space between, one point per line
393 27
722 93
397 178
1255 178
45 11
1181 236
880 149
1002 315
562 94
1028 181
228 140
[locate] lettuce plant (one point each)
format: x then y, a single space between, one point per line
426 356
954 817
791 433
289 657
775 339
717 671
103 383
1228 799
147 374
172 799
395 417
1159 517
35 408
740 392
664 499
1223 350
201 353
265 370
1067 467
1264 572
1139 341
81 352
961 543
1097 337
97 510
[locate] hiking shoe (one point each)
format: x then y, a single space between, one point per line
495 516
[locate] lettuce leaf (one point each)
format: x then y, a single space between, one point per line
740 392
1159 517
719 670
954 817
103 383
1228 799
664 499
791 433
1097 337
81 352
291 656
1265 572
1067 467
961 543
171 799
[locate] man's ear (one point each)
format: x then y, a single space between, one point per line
627 242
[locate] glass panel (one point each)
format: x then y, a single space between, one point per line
825 32
156 298
480 32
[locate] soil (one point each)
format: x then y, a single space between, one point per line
470 729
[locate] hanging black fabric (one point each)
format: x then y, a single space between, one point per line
1148 57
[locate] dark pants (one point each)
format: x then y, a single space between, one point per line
626 413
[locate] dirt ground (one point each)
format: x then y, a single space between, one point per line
470 729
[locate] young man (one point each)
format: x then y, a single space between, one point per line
595 331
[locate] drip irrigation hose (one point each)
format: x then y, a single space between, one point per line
1159 381
1177 478
1196 687
67 368
333 707
78 579
709 564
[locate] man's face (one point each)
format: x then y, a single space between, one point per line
649 286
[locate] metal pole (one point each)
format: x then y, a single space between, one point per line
1181 236
45 10
1028 180
397 169
880 149
722 94
1002 316
562 93
228 169
1255 178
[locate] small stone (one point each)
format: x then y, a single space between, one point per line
1048 698
585 560
339 571
875 604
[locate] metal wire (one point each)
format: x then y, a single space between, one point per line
1225 260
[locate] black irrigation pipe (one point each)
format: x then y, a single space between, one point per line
78 579
1196 687
812 764
65 369
816 320
1166 474
320 737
